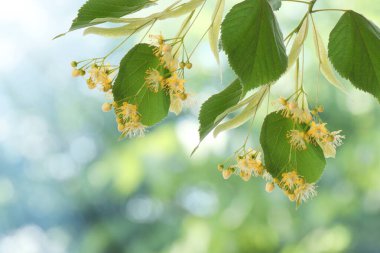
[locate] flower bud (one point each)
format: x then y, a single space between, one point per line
320 109
189 65
269 187
166 48
283 101
292 197
120 127
226 174
292 105
74 64
106 107
75 73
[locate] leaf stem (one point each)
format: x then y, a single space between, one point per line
323 10
297 1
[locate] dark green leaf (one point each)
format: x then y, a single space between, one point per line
280 157
130 85
216 105
94 9
253 42
354 50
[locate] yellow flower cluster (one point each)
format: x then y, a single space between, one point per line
247 165
128 120
295 187
173 82
316 131
99 76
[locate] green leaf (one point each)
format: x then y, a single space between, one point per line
94 9
213 34
298 42
354 50
324 63
276 4
249 112
253 42
216 105
280 157
130 85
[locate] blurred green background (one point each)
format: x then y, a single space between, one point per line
68 185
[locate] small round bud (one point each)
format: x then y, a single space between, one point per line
106 107
82 72
292 105
189 65
245 175
292 197
120 127
90 83
269 187
283 101
220 167
320 109
75 73
74 64
226 174
166 48
330 138
300 181
107 87
183 96
182 65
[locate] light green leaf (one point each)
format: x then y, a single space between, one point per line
354 50
280 157
248 112
133 25
298 42
130 85
182 9
94 9
213 34
324 63
216 105
276 4
124 30
253 42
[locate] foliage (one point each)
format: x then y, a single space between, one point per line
151 80
355 37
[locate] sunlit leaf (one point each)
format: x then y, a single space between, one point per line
213 34
94 9
124 30
248 112
298 42
133 25
216 105
324 63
